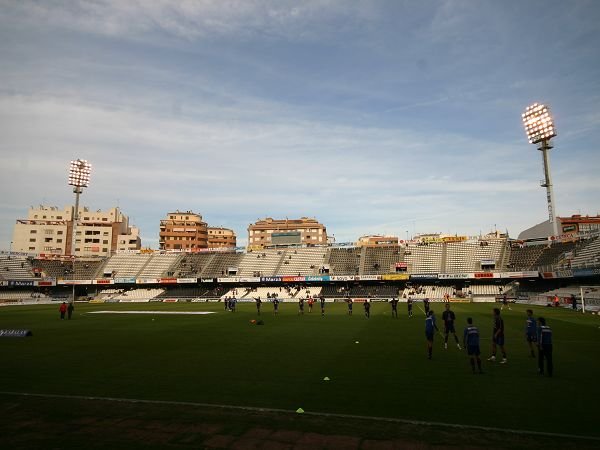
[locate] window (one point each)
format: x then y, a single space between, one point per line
105 249
58 241
32 240
59 232
48 240
32 231
31 248
58 217
105 219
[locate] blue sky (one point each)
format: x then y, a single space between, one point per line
373 117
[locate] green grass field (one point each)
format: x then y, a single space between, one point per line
222 359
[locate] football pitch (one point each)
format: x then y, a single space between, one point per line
377 368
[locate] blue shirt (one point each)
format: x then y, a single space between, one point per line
430 324
471 335
531 327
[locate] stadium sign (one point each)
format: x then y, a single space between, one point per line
395 277
147 280
168 281
186 280
270 279
586 272
453 276
525 274
15 333
318 278
369 278
424 276
479 275
249 279
103 281
207 280
48 282
20 283
293 279
343 278
229 280
125 280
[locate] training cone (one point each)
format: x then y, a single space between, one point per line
300 411
326 379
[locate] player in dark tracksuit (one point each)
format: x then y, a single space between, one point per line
498 337
430 328
409 304
394 303
322 299
544 339
349 301
449 317
367 306
275 306
301 306
258 302
530 331
426 306
471 343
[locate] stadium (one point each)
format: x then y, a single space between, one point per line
391 322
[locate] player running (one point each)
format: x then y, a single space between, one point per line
471 343
430 328
498 337
394 303
530 331
449 317
544 338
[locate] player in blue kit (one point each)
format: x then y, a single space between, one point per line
430 328
349 301
498 337
471 343
449 317
530 331
544 339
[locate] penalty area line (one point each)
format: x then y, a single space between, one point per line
306 413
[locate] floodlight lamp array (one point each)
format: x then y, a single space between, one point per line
538 123
79 173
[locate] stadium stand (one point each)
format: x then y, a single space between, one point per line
15 268
126 264
587 254
380 260
160 265
424 258
138 295
343 261
220 263
191 265
263 263
302 261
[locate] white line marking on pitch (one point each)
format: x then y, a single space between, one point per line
153 312
309 413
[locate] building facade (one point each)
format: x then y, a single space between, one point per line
270 232
219 237
49 230
377 241
183 231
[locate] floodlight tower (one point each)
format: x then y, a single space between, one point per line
539 127
79 177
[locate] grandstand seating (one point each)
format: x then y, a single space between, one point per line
424 258
344 261
126 264
587 255
220 263
427 291
263 263
160 265
302 261
191 265
15 268
138 295
380 260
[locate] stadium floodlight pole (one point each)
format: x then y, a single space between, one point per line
539 127
79 177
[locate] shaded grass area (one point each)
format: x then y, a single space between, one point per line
223 359
95 424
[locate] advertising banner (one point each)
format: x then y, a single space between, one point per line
229 280
395 276
318 278
343 278
147 280
369 278
103 281
293 279
453 276
424 276
270 279
207 280
586 272
125 280
20 283
72 282
525 274
187 280
168 281
479 275
46 283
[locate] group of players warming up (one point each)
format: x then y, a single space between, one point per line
538 334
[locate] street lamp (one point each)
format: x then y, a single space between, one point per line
539 127
79 177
